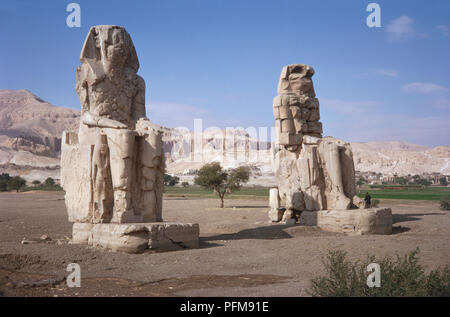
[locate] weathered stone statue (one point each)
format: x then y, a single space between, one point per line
313 173
113 169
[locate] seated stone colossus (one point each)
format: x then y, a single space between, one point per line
313 173
113 169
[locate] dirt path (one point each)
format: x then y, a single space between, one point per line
240 253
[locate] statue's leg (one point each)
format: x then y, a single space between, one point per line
348 172
121 144
148 198
150 176
334 167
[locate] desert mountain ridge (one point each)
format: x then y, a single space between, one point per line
31 129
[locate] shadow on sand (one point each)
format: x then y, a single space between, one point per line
265 233
275 232
399 229
412 217
248 207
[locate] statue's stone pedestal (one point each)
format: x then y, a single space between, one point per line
352 221
137 237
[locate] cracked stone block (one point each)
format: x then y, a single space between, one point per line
81 232
138 237
356 221
173 236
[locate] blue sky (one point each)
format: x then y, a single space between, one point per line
221 60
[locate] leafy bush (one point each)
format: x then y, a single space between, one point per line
185 184
4 179
402 276
16 183
48 185
444 204
170 180
49 182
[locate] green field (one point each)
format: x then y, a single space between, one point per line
428 193
414 193
198 192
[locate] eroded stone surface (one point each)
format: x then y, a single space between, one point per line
313 173
113 169
81 232
359 222
137 237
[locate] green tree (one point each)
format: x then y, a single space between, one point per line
170 180
167 179
443 181
36 183
16 183
423 182
400 180
212 176
49 182
4 179
175 180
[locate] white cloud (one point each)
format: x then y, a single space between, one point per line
444 29
442 103
364 121
424 88
173 115
349 107
382 72
429 131
387 72
402 28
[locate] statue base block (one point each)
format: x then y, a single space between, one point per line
137 237
352 221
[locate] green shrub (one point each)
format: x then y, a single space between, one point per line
4 179
49 182
444 204
402 276
16 183
170 180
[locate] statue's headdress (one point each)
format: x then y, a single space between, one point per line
305 71
97 40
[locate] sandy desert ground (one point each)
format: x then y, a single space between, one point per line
240 253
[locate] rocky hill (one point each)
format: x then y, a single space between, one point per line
31 129
28 123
